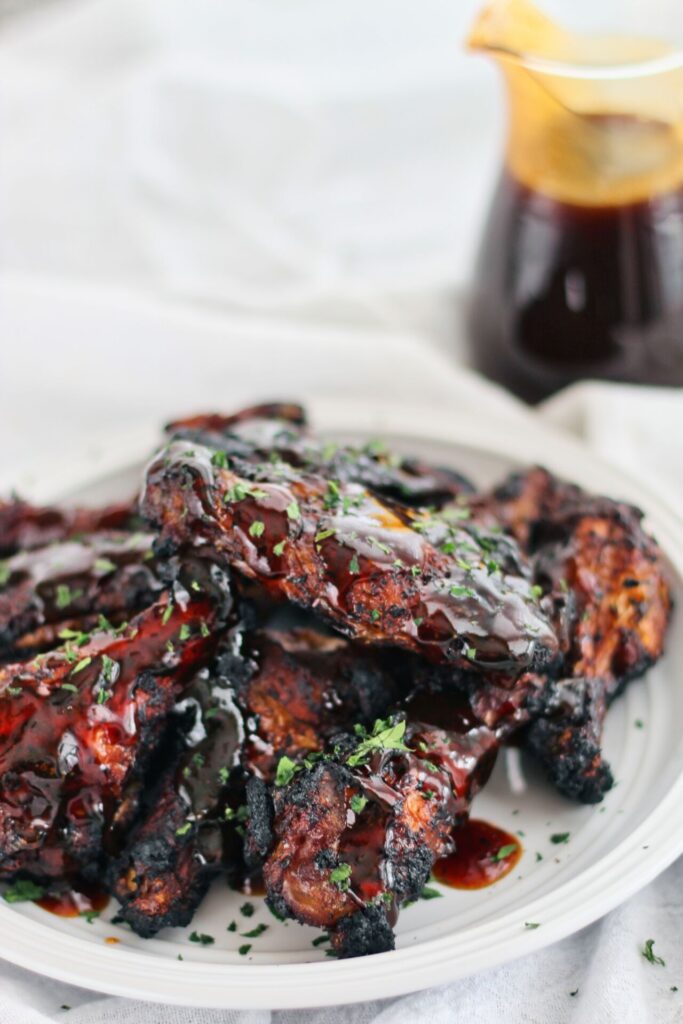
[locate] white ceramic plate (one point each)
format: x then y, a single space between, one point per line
613 849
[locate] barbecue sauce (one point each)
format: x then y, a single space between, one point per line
566 291
580 272
480 857
82 900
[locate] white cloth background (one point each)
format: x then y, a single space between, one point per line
308 160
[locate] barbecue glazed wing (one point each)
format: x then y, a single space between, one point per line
180 845
24 526
608 583
277 431
78 725
354 835
339 550
303 689
102 573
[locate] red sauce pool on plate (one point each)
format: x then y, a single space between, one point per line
483 855
75 902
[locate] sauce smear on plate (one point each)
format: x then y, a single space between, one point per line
483 854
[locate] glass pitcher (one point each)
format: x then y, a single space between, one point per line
580 272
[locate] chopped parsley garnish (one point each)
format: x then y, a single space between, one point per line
247 909
64 596
90 915
22 891
184 633
532 924
69 687
354 567
324 534
223 774
219 459
243 950
168 612
279 548
104 565
505 851
639 724
78 637
103 696
375 614
648 952
536 591
257 528
108 666
471 653
286 770
332 494
320 940
4 574
242 490
560 837
459 591
340 876
293 510
358 803
83 663
429 893
232 927
255 932
385 736
14 691
204 629
202 939
184 829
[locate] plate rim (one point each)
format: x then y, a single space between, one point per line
605 884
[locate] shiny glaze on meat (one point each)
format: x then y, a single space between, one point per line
339 550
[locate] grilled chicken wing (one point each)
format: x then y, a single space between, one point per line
339 550
612 605
24 526
103 573
78 725
354 835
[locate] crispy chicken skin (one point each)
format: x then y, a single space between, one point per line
180 844
341 551
24 526
104 573
78 725
612 603
354 835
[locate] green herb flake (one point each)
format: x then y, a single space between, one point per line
104 565
232 927
83 663
560 837
321 940
64 596
184 829
358 803
5 573
255 932
247 909
279 548
375 615
14 691
202 939
639 724
219 459
23 891
536 592
184 633
70 687
531 925
293 510
340 876
459 591
257 528
505 851
354 567
385 736
648 952
168 612
243 950
286 769
430 893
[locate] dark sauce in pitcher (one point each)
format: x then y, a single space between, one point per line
565 292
